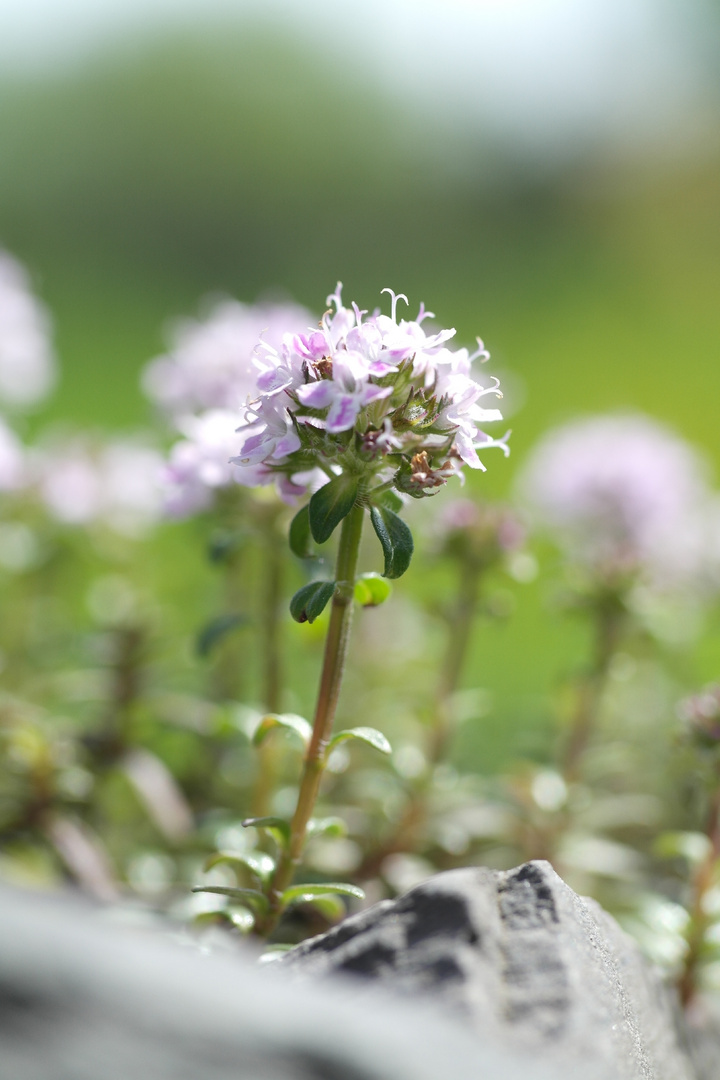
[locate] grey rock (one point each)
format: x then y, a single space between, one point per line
84 999
524 960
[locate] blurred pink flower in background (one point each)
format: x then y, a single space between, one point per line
623 493
117 484
27 361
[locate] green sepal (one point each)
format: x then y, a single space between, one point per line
216 630
329 826
299 536
249 897
302 894
330 504
395 538
289 721
371 590
278 828
311 600
369 735
257 862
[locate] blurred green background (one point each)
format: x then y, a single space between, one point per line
250 158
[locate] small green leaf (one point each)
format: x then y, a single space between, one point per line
278 828
369 735
216 630
300 537
297 724
396 540
330 907
250 897
372 590
328 826
330 505
389 499
311 600
257 862
241 919
302 894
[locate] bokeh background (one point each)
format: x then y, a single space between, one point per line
544 173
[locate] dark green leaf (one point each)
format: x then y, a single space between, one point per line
369 735
297 724
330 505
250 897
311 600
301 894
396 540
300 537
277 827
372 590
216 630
257 862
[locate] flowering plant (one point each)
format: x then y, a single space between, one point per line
375 404
378 402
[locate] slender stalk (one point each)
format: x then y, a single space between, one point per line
608 627
336 645
703 882
461 622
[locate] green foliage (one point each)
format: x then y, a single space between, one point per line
311 601
368 735
289 721
278 828
250 898
300 536
257 862
395 538
301 894
330 504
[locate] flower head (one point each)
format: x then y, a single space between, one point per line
27 362
622 495
478 533
117 484
375 395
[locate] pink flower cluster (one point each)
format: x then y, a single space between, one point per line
367 392
207 375
624 495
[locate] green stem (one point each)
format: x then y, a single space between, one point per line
703 882
336 645
461 621
609 626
